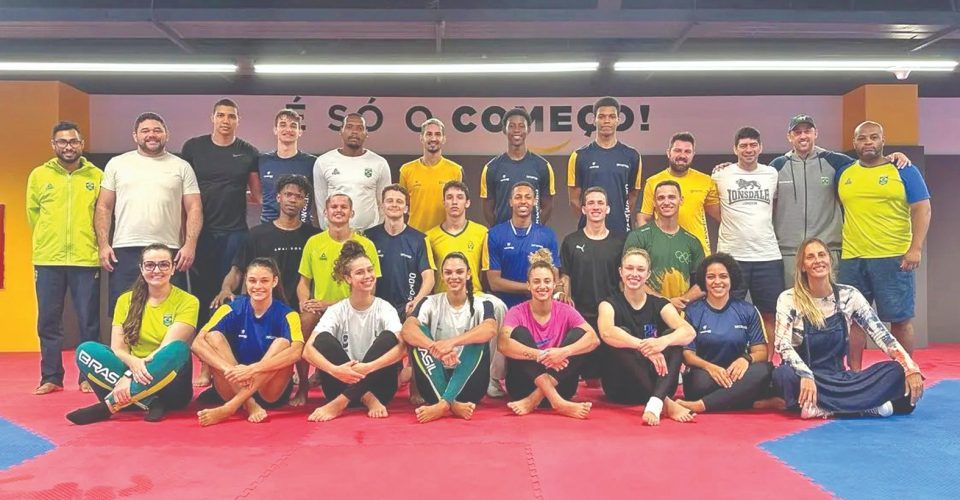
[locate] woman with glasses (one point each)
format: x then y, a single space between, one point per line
449 335
147 362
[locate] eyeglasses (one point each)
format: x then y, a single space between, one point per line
163 265
62 143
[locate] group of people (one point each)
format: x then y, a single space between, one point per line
374 283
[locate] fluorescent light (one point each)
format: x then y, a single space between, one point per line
787 65
91 67
424 69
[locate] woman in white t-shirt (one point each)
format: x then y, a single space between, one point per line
449 335
355 346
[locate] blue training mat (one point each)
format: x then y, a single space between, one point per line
908 456
19 445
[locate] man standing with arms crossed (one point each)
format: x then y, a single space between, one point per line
225 166
286 160
700 196
146 192
355 171
61 199
425 177
747 191
518 164
609 164
886 218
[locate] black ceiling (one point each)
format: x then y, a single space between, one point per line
462 30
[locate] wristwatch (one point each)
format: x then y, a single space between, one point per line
128 374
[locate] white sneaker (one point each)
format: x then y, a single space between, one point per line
884 410
809 412
494 390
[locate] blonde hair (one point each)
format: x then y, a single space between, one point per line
541 259
802 298
630 252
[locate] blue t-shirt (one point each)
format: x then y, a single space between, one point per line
616 170
402 258
509 249
723 335
501 173
250 336
272 167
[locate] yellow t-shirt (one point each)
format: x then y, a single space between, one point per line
178 307
472 242
425 185
698 191
319 255
876 208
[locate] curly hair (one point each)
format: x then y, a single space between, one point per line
350 252
733 270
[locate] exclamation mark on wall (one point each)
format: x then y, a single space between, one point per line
644 117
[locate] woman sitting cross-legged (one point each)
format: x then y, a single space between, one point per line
251 345
148 361
644 334
544 341
449 335
355 346
813 321
728 358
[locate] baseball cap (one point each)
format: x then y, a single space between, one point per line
797 120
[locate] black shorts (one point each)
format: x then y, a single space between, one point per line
279 403
764 280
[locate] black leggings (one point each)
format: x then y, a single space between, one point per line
755 384
522 372
382 383
473 390
630 378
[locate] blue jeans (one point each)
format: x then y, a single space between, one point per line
215 253
125 272
52 283
882 281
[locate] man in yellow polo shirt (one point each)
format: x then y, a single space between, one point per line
886 217
425 177
61 198
700 196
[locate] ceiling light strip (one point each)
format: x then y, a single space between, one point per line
787 65
92 67
424 69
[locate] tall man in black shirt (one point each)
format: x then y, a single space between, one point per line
591 258
225 166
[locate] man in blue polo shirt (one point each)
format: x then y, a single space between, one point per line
607 163
510 244
518 164
406 260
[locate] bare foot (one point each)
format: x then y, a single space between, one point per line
329 411
677 412
299 399
525 405
203 380
85 387
375 408
415 398
694 406
430 413
213 416
651 418
575 410
770 404
47 388
463 410
255 412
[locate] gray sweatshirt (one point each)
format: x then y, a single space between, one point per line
807 204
